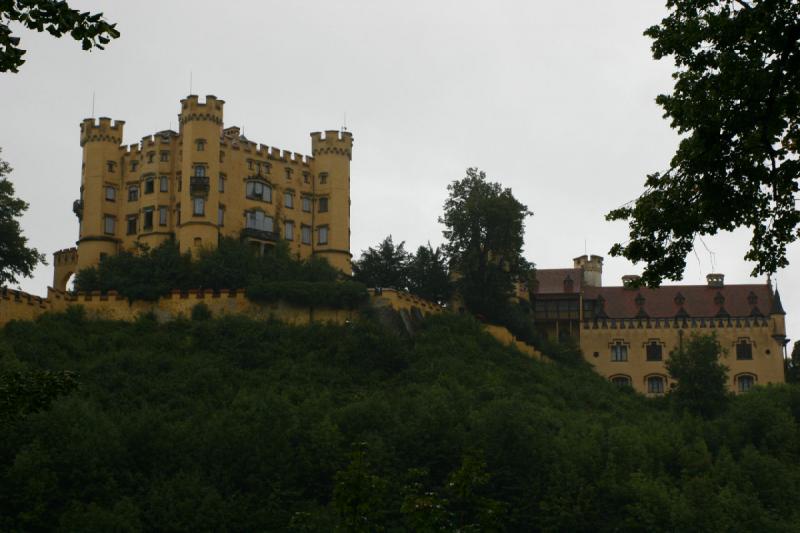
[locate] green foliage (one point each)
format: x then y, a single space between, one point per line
792 365
428 275
230 424
201 312
150 274
735 102
16 259
702 387
55 17
28 392
342 294
386 265
485 234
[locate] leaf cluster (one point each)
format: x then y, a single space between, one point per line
736 101
55 17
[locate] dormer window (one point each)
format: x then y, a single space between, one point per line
200 145
679 299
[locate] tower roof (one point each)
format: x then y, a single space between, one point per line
777 306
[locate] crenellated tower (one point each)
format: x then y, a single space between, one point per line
332 154
200 130
99 225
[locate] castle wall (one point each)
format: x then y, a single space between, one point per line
597 338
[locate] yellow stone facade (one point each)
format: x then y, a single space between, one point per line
206 181
627 333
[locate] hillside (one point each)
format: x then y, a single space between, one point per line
237 425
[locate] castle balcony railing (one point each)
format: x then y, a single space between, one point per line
77 208
259 234
199 185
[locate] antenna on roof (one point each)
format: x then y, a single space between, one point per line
344 125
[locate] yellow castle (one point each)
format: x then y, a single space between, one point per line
206 181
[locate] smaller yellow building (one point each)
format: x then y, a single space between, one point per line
627 333
205 181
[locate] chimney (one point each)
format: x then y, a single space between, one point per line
630 280
716 280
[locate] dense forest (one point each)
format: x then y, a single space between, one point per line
229 424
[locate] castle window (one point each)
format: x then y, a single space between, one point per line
200 145
288 173
258 190
134 164
323 205
131 224
163 184
109 225
221 183
163 213
307 204
164 156
323 178
745 382
619 352
200 171
198 207
267 167
111 193
322 235
288 200
250 164
305 177
148 218
305 234
180 186
621 381
178 214
260 221
133 193
149 185
221 215
221 156
654 351
150 156
288 230
655 385
744 350
112 166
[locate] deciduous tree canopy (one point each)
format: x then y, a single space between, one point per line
736 102
16 259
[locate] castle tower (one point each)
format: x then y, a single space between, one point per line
200 129
592 266
331 219
100 226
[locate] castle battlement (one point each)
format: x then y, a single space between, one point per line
101 130
332 142
193 109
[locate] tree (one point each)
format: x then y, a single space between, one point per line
55 17
485 233
16 259
792 365
383 266
702 379
736 102
28 392
428 276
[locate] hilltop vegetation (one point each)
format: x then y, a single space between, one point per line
236 425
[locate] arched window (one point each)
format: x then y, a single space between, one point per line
200 171
655 384
621 381
745 382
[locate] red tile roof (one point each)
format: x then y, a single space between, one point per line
697 300
551 280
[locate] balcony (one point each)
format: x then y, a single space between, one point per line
199 185
258 234
77 208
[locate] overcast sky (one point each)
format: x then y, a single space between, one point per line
552 99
